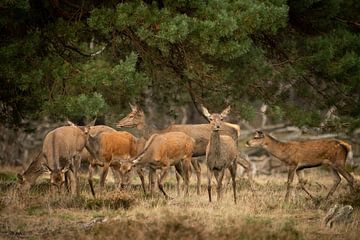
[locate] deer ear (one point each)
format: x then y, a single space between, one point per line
205 111
225 112
92 123
46 168
70 123
133 107
66 168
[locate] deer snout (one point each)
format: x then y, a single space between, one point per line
216 127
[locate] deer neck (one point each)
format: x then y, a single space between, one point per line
275 147
214 148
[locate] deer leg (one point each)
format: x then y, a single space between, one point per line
76 161
219 177
179 172
349 178
247 166
161 177
116 176
186 167
337 180
232 170
196 166
90 178
151 181
140 173
103 175
302 182
289 181
209 176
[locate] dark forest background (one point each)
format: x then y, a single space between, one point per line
84 59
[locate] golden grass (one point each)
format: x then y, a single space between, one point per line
44 214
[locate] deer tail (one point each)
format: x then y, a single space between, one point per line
347 146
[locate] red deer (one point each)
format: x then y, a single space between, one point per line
36 167
28 178
221 153
61 150
108 148
199 132
307 154
162 151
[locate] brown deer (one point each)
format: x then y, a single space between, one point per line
27 178
108 148
307 154
199 132
221 153
36 168
61 151
162 151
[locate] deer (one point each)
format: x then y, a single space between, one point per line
61 152
199 132
299 155
110 147
221 153
162 151
28 177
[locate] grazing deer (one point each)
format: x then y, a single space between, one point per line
221 153
27 178
162 151
61 151
36 168
108 148
307 154
199 132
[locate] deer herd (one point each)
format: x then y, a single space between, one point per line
179 145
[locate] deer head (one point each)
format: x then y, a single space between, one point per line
135 118
125 168
215 118
257 140
57 176
86 128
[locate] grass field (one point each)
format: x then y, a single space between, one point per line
43 214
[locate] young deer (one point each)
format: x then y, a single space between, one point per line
221 153
162 151
307 154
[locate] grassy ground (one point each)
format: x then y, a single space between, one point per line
43 214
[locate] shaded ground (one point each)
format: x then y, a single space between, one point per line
42 214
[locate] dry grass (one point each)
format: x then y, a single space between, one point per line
43 214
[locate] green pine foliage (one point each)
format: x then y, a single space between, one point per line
67 60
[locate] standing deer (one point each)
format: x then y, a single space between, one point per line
307 154
162 151
199 132
61 151
221 153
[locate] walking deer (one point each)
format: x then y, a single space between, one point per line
162 151
199 132
221 153
307 154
